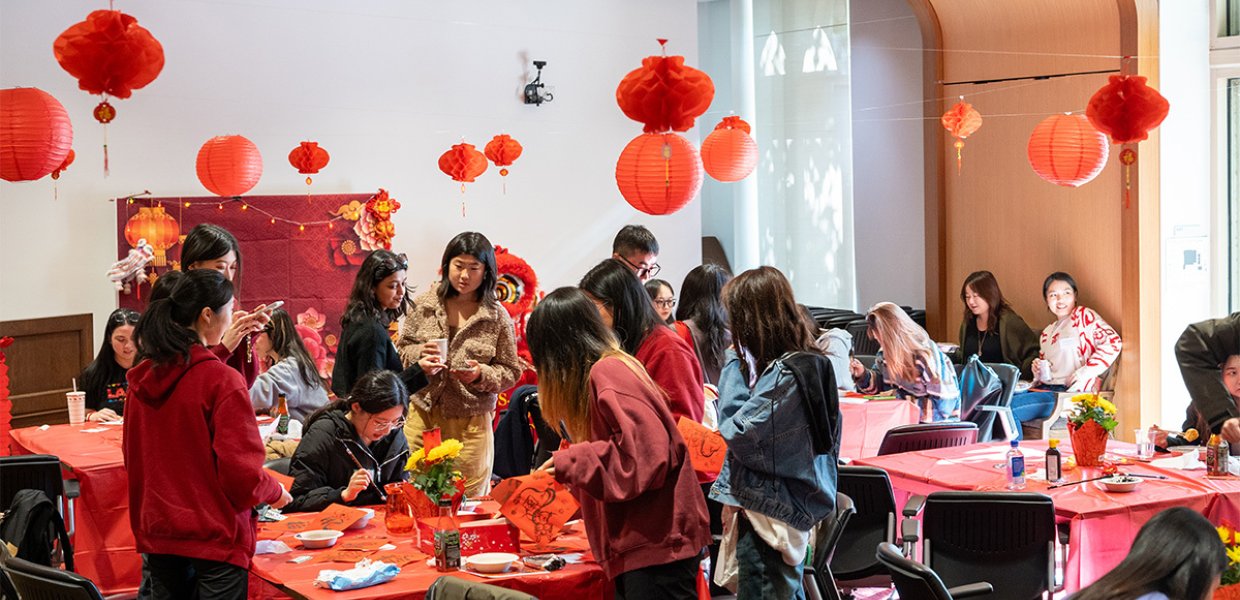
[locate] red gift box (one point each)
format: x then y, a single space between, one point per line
426 532
491 535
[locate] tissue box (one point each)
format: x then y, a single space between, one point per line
477 536
426 531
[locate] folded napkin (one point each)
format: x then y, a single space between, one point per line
364 574
1184 462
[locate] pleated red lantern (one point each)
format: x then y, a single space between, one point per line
961 120
229 165
503 151
109 54
64 165
35 134
308 158
659 173
1127 109
463 163
155 226
1066 150
729 153
664 94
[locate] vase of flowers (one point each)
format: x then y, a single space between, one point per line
1230 588
433 475
1090 421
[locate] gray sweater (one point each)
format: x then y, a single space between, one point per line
284 377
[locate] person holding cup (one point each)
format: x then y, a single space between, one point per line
461 328
103 380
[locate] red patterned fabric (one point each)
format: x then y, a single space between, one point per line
1097 347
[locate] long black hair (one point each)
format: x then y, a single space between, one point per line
374 393
207 241
165 331
104 368
470 243
701 301
633 315
286 342
162 288
1178 553
363 305
653 287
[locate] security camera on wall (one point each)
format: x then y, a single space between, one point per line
536 92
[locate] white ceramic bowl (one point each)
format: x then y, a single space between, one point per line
1121 483
365 520
491 562
318 538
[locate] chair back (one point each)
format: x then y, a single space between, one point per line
928 436
872 522
829 531
37 582
1009 375
1006 538
862 344
30 472
279 465
449 587
913 580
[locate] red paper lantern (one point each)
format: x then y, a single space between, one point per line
110 54
229 165
463 163
308 158
1066 150
664 94
64 165
729 153
659 173
35 134
155 226
503 150
1127 109
961 121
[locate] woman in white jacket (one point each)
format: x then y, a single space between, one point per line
290 371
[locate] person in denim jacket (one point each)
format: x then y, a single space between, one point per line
779 412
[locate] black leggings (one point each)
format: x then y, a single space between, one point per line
178 578
672 581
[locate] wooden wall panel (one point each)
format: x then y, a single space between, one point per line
45 357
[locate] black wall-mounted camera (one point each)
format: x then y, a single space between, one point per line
535 91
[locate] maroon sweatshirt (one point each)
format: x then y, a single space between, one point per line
195 460
640 500
674 366
241 358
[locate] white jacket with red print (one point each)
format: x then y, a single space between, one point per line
1080 349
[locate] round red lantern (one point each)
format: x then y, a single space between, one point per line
503 150
155 226
1127 109
229 165
729 153
110 54
35 134
659 173
308 158
1066 150
664 94
463 163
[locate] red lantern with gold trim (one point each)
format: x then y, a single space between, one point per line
729 153
659 173
155 226
665 94
308 158
961 120
229 165
1066 150
36 135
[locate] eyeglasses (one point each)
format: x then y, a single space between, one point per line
665 303
647 272
397 424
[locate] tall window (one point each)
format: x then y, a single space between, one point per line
1231 20
1233 187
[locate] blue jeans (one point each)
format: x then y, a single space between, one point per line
761 570
1030 406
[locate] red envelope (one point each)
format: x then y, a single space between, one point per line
706 447
536 504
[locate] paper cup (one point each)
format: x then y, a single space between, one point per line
443 349
77 407
1044 372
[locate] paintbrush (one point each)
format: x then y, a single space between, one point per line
382 496
1059 485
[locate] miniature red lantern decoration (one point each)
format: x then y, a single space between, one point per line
659 173
961 121
1126 109
729 153
1066 150
155 226
109 54
503 151
36 135
64 165
463 163
229 165
664 94
308 158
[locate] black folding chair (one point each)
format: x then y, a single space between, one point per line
455 588
928 436
915 581
38 472
874 521
37 582
817 579
279 465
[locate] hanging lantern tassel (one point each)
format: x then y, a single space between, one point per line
1127 158
104 113
56 174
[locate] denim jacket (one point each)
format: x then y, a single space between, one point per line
770 467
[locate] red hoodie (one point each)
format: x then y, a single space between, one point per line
195 460
640 500
674 366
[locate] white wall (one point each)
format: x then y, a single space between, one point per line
385 87
888 151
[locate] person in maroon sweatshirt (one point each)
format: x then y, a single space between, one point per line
625 307
192 448
629 468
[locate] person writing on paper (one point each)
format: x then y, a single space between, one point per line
290 370
104 379
909 362
192 449
629 468
367 428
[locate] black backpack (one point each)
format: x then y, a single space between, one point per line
33 524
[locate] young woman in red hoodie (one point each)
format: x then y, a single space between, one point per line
625 307
629 468
192 448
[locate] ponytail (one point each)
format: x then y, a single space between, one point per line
374 392
165 331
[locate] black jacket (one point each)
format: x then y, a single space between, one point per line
364 347
1201 350
321 468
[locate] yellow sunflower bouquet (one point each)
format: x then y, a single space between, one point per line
434 471
1231 541
1090 421
1092 407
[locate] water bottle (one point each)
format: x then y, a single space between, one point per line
1015 467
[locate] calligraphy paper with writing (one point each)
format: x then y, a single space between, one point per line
399 558
344 555
537 504
337 516
706 447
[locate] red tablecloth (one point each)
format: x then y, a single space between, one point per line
1102 524
866 422
273 573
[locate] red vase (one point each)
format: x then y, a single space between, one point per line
400 517
1228 592
1089 442
424 507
